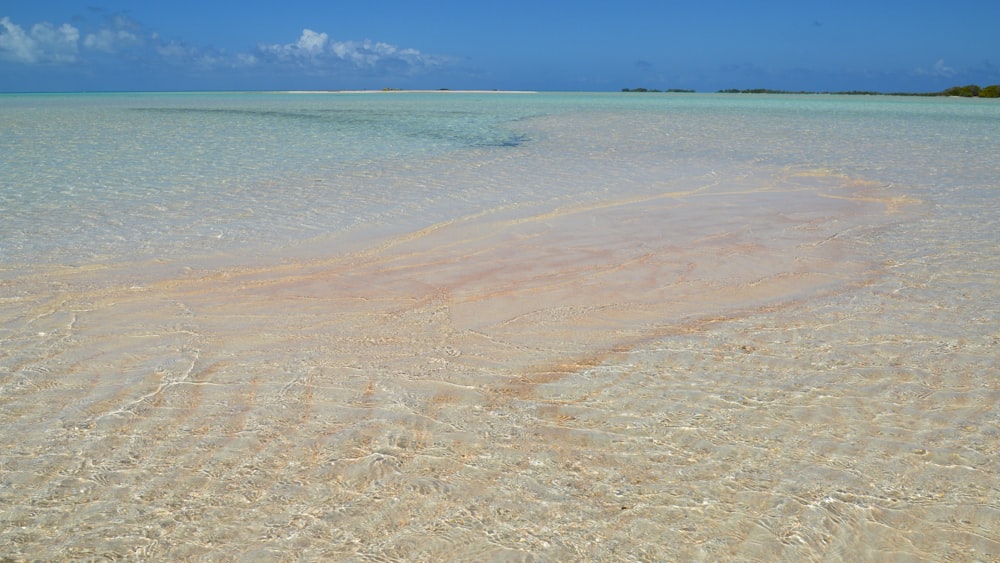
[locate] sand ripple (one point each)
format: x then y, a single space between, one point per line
704 373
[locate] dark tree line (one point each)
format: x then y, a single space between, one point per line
654 90
973 91
970 91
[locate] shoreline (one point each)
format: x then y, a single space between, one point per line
404 92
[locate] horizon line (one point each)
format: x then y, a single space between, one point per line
503 91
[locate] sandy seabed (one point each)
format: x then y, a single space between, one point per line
708 373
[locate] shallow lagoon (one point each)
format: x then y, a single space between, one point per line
500 327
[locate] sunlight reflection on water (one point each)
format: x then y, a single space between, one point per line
606 344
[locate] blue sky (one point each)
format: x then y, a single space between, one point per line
890 45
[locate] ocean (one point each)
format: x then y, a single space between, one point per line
431 326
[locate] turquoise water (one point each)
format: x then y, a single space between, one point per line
111 175
457 326
98 175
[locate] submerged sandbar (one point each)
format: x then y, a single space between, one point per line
635 334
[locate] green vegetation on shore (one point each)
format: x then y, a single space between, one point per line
969 91
973 91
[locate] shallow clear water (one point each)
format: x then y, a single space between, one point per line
499 327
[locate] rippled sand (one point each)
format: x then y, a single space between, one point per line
721 370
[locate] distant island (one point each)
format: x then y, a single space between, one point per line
969 91
645 90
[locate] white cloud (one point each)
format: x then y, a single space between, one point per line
313 52
191 57
245 59
939 69
176 51
45 43
110 40
942 69
316 49
312 42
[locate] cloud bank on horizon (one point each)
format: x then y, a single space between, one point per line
47 44
43 43
118 52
